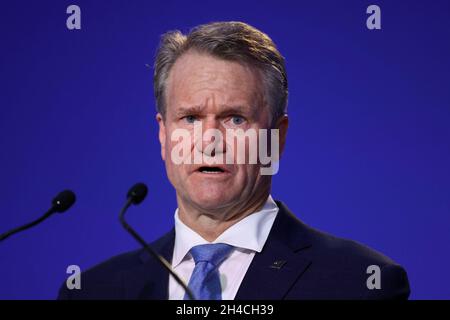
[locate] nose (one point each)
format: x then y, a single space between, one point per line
211 141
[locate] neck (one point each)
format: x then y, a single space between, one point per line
211 224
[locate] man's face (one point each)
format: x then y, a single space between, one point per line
218 94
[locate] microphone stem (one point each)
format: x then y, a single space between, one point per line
159 258
28 225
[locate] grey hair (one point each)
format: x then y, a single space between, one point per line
234 41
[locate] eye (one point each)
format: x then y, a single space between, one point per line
190 119
237 120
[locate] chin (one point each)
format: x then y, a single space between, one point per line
211 200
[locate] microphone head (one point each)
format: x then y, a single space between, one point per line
63 201
137 193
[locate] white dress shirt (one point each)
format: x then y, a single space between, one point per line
247 236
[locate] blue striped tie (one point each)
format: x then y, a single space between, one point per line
205 279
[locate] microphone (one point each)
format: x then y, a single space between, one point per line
63 201
136 195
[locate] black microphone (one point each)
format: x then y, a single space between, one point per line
136 195
63 201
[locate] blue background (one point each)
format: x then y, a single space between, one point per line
367 155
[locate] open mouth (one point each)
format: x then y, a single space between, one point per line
211 170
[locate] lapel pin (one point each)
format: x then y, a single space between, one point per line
278 264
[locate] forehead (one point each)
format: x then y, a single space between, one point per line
200 79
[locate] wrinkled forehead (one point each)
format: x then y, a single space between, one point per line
200 80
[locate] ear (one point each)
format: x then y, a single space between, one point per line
282 125
162 135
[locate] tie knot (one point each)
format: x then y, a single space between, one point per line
212 253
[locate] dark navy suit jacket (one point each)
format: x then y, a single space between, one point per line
297 262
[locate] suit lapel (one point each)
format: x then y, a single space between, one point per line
150 280
280 264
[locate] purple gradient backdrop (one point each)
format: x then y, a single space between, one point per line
367 156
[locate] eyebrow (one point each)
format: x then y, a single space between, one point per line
235 110
225 110
184 111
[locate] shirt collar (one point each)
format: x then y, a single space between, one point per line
249 233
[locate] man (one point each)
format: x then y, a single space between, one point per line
231 240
